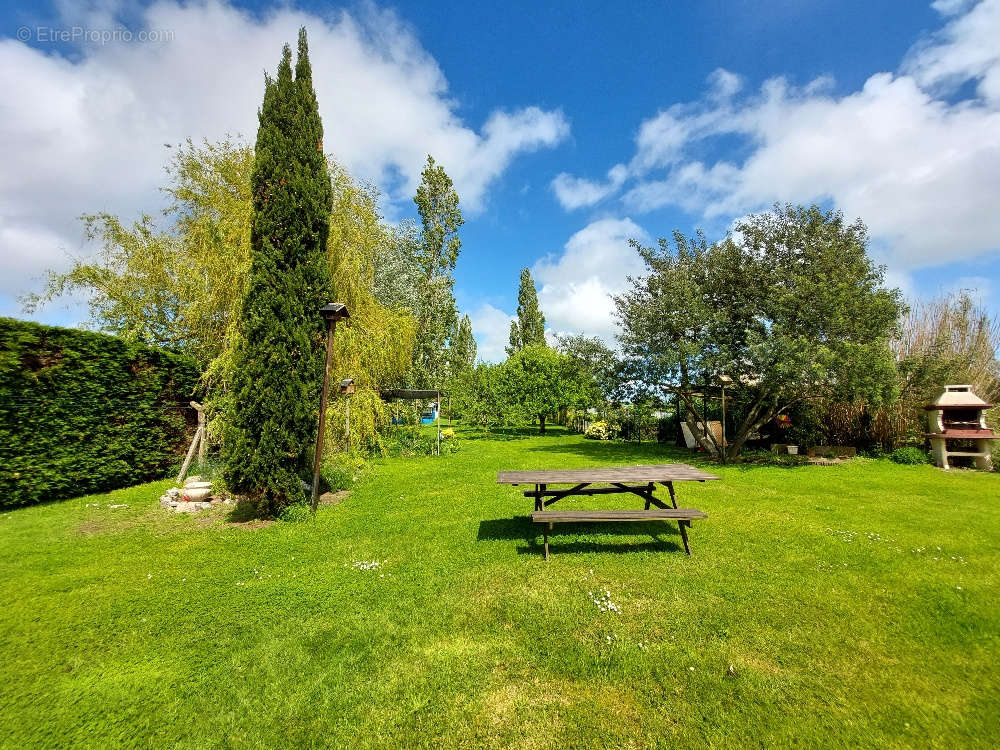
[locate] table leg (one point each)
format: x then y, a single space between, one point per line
684 535
546 533
673 497
539 500
682 525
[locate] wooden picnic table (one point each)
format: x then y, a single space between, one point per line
638 480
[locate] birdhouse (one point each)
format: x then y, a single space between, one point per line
347 387
334 311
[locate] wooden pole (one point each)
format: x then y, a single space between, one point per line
318 460
190 454
201 426
725 452
438 415
347 423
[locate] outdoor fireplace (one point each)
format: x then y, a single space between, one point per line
957 427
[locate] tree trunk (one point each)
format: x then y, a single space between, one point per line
753 421
705 439
541 424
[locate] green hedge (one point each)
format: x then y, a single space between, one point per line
83 412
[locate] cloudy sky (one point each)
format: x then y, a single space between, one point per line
568 130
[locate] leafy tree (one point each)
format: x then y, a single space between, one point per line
175 288
594 367
182 287
462 351
376 346
539 382
529 328
398 278
278 361
787 308
436 256
482 396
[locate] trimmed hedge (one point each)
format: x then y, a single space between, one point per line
82 412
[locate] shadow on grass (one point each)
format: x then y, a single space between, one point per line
511 433
243 512
522 528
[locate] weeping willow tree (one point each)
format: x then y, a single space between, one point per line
177 282
375 348
173 288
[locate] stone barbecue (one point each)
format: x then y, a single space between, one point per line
956 424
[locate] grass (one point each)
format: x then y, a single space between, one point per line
840 606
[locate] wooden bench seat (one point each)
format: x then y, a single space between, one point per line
683 516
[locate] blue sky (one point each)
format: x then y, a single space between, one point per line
568 129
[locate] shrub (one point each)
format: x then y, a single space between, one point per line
448 434
82 412
296 513
768 458
598 431
909 455
340 471
413 441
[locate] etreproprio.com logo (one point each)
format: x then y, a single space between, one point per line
86 35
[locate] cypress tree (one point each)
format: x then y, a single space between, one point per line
278 362
529 328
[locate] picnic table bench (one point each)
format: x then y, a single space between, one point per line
636 480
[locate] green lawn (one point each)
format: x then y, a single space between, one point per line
847 606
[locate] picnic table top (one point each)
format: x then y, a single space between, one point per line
608 474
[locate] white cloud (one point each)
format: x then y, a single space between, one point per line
84 132
966 49
952 7
661 140
491 328
923 171
574 287
724 83
579 192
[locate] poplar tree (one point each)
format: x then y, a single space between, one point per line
436 256
529 328
462 348
278 361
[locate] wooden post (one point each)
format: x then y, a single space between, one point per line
317 461
725 452
437 413
347 423
201 427
190 454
